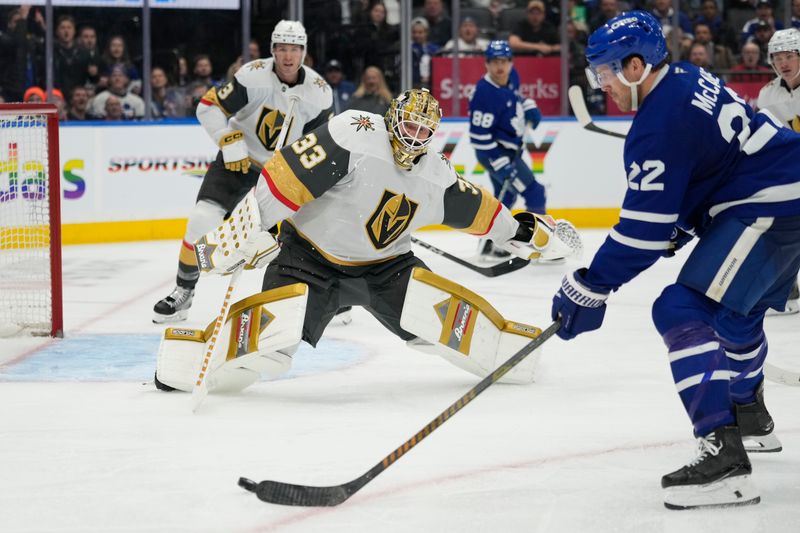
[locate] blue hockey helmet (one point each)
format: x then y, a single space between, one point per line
627 34
497 49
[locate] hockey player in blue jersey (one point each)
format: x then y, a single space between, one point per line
498 116
699 162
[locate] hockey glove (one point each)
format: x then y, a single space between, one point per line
532 113
677 241
544 238
234 152
580 305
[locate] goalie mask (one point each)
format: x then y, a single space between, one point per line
290 32
783 41
411 120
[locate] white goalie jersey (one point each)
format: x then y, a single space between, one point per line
784 103
256 102
341 190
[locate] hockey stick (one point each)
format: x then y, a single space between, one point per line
310 496
510 265
200 389
779 375
582 114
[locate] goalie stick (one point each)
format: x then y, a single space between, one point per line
310 496
510 265
582 114
200 389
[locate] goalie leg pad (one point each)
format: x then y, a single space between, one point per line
260 336
464 329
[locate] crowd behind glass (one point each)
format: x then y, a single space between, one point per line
354 44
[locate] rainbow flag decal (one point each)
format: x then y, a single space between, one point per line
538 153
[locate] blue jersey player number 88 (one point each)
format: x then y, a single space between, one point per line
699 163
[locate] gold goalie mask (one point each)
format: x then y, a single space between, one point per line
411 120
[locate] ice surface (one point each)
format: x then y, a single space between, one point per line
85 447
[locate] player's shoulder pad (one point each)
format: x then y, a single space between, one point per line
361 132
436 168
256 74
316 91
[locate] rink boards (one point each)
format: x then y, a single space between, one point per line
138 182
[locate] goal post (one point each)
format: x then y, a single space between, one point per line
30 221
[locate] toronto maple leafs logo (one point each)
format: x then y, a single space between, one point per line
362 122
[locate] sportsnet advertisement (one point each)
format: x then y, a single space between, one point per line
136 182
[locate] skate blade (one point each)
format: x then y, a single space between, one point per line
728 492
792 308
762 443
178 316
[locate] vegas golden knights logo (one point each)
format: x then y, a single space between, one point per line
392 216
269 127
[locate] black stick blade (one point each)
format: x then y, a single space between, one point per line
298 495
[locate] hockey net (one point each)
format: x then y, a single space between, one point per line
30 221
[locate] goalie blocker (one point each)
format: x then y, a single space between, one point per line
263 331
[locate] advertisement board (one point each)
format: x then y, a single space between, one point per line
139 181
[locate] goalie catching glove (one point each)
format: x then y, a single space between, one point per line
238 242
234 152
541 237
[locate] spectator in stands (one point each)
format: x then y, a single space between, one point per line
421 53
61 105
380 43
202 71
535 35
182 78
112 108
468 41
439 23
796 14
79 104
698 55
119 87
34 95
342 89
719 57
373 93
720 30
662 10
607 10
763 33
116 56
254 52
15 53
763 14
193 92
87 40
70 62
168 102
749 67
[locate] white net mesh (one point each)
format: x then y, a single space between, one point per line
25 283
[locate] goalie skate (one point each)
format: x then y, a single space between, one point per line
718 477
175 307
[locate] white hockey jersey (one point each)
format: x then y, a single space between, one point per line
256 102
784 103
339 187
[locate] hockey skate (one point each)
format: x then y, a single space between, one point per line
719 476
792 304
756 426
175 307
343 316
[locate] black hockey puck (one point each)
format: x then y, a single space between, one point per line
248 484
